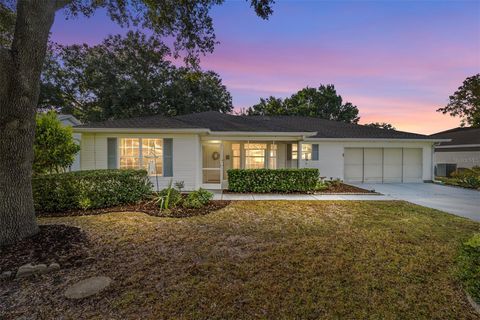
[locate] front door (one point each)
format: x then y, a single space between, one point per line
212 165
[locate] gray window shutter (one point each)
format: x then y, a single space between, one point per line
314 151
168 157
289 151
112 153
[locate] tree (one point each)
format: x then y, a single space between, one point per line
323 102
126 76
465 102
54 147
381 125
187 22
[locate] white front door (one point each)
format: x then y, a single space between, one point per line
212 165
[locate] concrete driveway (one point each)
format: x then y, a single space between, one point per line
459 201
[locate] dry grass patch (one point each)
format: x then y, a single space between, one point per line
272 260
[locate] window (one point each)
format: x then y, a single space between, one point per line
294 151
236 156
255 155
306 151
136 153
272 157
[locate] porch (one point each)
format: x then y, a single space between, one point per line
218 156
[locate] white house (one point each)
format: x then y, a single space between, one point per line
199 148
69 120
461 152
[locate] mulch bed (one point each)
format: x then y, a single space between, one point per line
344 188
146 206
59 243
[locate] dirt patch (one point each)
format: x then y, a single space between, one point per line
59 243
148 206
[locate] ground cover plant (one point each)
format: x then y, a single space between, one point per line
469 266
467 178
262 259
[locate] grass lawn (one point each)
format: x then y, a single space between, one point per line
269 260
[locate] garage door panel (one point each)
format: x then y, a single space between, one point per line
373 165
392 165
412 165
353 164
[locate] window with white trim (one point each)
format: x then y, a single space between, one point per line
236 162
255 155
142 153
272 157
306 151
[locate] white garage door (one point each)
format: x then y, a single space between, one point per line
383 165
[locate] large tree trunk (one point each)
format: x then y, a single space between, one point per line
20 70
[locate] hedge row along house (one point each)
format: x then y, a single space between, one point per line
200 148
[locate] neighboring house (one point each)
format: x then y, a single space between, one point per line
463 151
69 120
199 148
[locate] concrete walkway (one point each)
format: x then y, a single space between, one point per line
458 201
296 197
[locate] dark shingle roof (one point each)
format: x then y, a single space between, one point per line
459 136
216 121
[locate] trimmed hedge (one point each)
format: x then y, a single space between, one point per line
89 189
268 180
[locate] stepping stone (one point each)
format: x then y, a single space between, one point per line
87 287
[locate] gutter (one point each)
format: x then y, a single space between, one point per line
379 139
139 130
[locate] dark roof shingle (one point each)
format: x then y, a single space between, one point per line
459 136
216 121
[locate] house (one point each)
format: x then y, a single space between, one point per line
463 151
69 120
199 148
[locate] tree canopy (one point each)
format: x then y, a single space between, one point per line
465 102
381 125
322 102
54 146
126 76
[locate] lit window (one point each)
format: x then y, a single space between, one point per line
294 151
255 155
307 151
145 154
236 156
272 157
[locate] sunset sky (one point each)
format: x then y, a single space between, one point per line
398 61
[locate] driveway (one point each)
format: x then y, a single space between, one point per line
459 201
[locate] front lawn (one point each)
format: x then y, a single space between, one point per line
285 259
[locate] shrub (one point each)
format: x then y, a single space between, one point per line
197 199
169 197
467 178
469 270
89 189
267 180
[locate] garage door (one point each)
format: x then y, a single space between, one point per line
383 165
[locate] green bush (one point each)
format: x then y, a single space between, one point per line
197 199
469 266
267 180
467 178
89 189
169 197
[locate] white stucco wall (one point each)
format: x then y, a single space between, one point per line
463 159
331 159
186 147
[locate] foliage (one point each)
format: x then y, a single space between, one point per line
381 125
322 185
465 102
198 198
467 178
322 102
89 189
54 147
469 270
169 197
267 180
126 76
